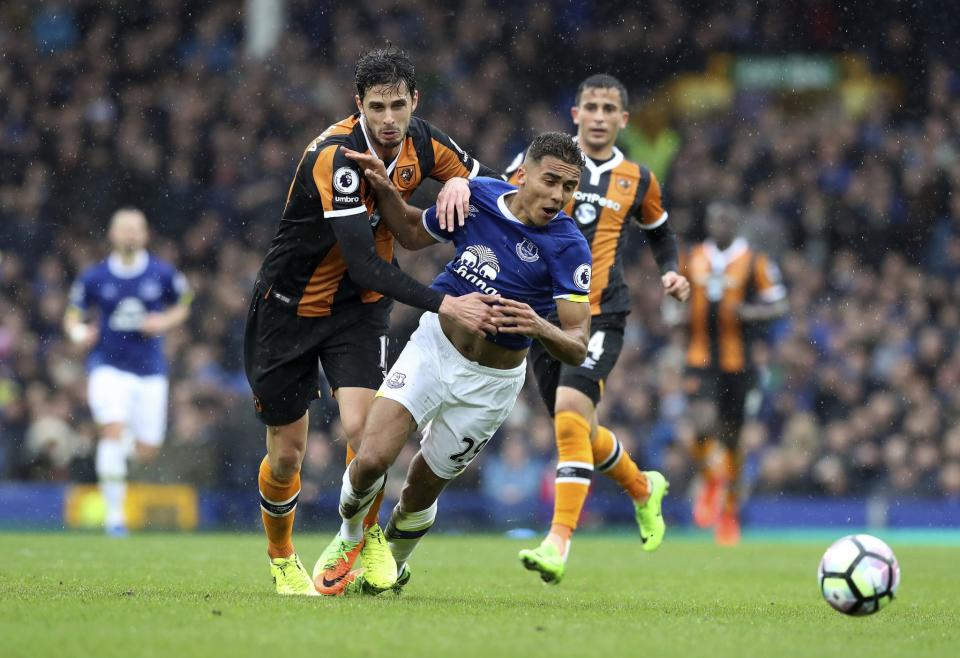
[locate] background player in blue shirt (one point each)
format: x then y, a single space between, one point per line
458 387
138 298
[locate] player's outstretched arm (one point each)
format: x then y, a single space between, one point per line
771 297
763 311
156 324
369 271
568 342
402 219
471 312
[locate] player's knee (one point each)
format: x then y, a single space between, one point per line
112 431
285 459
573 401
353 428
286 464
372 464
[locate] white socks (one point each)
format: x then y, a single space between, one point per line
354 505
406 529
111 466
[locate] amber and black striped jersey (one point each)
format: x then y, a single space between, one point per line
720 281
610 193
304 265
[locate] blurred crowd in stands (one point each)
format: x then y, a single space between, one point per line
157 105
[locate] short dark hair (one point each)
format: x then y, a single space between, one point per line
560 145
384 66
602 81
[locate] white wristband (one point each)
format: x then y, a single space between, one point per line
79 333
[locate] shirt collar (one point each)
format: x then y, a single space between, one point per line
122 270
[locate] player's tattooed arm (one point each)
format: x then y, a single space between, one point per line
567 343
402 219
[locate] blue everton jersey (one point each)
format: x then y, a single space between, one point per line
499 254
123 295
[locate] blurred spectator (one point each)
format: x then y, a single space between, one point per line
510 479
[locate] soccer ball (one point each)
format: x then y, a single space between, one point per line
858 575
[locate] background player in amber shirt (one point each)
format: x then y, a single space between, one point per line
612 192
326 286
732 287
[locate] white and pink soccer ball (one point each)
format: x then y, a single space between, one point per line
858 575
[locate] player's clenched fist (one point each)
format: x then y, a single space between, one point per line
676 285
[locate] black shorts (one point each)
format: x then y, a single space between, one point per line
603 350
728 390
283 353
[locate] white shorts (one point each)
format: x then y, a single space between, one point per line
139 402
457 404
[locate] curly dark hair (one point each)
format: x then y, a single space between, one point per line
384 66
603 81
560 145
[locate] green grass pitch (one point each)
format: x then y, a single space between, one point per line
210 595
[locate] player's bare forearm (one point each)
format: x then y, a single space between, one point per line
160 323
763 312
402 219
568 342
177 315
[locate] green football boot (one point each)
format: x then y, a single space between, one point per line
358 583
649 516
291 578
332 570
402 579
545 559
379 567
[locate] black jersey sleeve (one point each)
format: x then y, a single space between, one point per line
663 244
371 272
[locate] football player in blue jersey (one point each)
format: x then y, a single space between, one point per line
138 298
453 385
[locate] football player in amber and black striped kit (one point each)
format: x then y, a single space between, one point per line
613 191
733 287
326 286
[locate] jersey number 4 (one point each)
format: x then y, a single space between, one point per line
594 350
